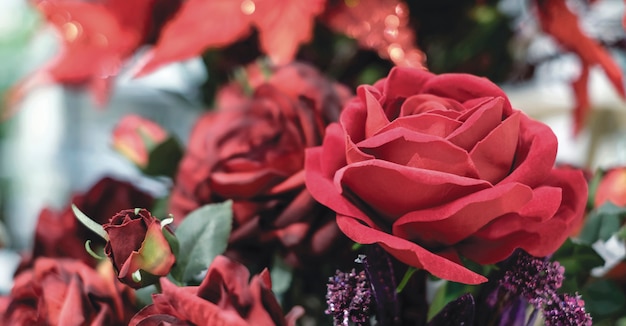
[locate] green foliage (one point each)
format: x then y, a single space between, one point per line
202 236
602 223
164 158
448 292
603 298
578 259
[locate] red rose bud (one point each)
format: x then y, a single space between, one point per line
138 247
612 188
134 137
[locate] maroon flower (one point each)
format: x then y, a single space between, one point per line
67 292
251 150
137 247
60 234
223 298
436 167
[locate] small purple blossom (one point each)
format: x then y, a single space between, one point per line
566 310
534 279
349 298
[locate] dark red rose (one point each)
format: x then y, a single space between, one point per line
60 234
137 245
223 298
67 292
252 151
436 167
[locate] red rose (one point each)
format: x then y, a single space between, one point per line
252 151
137 245
66 292
102 201
436 167
223 298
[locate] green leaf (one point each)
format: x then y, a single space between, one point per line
578 259
202 235
602 223
164 158
447 293
603 298
281 275
89 223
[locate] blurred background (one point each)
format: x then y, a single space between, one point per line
59 140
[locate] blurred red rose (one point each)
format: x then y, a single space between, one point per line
252 151
60 234
67 292
136 243
433 167
134 137
223 298
612 188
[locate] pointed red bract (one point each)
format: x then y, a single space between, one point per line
557 20
96 37
282 24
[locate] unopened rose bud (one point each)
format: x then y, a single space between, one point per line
138 247
134 137
612 188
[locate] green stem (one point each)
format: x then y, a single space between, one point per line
405 279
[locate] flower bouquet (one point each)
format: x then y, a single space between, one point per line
337 178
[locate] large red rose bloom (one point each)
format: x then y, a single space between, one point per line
437 167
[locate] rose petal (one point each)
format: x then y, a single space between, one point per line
483 120
433 124
370 182
404 82
493 156
535 153
376 117
408 252
354 115
451 223
421 103
422 151
463 87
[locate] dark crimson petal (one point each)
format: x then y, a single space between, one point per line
484 118
408 252
451 223
493 155
421 151
413 189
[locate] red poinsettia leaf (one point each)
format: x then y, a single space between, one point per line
200 24
285 24
557 20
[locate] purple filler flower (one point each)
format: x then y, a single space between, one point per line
532 278
566 310
349 298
